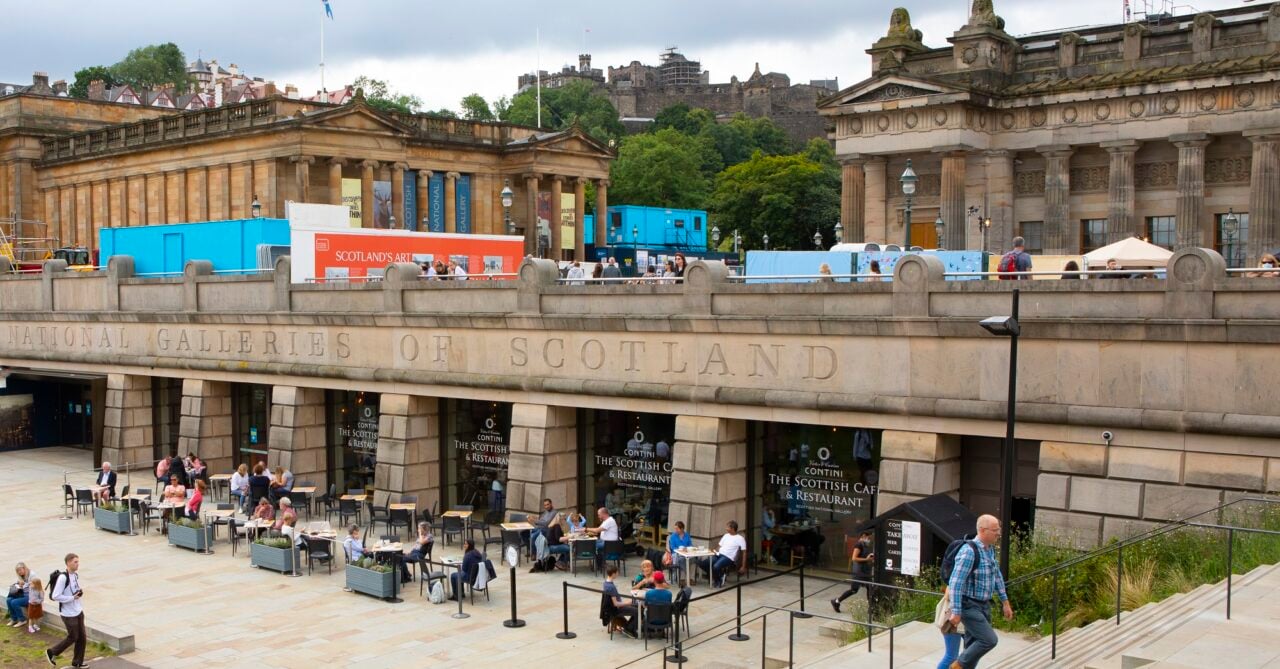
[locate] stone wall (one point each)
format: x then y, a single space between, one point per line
297 439
127 433
709 475
206 427
543 460
408 459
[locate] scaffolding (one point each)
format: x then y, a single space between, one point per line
25 243
676 70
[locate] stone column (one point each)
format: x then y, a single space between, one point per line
397 195
408 459
709 475
951 202
179 180
1264 193
875 225
265 186
543 461
205 428
579 215
1121 200
424 199
4 190
366 193
915 465
1190 218
198 194
557 189
117 192
247 194
101 198
335 180
451 202
302 176
531 185
853 198
602 213
82 214
999 207
136 200
1061 234
297 438
126 421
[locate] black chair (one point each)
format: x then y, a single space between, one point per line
148 513
583 549
84 498
657 618
221 506
463 507
615 552
378 514
235 533
491 519
329 501
125 493
347 508
257 492
680 608
452 526
397 518
428 576
144 491
301 500
317 549
487 565
68 496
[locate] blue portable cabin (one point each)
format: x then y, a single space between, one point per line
242 244
673 230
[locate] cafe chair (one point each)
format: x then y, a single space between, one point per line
463 507
235 532
583 549
148 513
143 491
427 577
400 518
347 508
317 549
301 500
217 522
480 580
68 496
680 608
257 492
124 493
84 498
452 526
615 552
797 555
657 619
329 501
378 514
491 519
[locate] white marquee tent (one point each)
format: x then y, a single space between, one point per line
1129 253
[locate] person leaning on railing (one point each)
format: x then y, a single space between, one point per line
1266 265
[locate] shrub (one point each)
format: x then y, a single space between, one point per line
188 522
372 565
113 506
274 541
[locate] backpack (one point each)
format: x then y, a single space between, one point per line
949 557
1008 263
437 593
53 580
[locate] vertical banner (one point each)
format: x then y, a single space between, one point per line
568 226
462 204
435 191
910 548
410 200
382 205
352 199
544 219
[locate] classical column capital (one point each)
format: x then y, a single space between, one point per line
308 160
558 177
580 182
425 174
400 166
533 176
1262 135
1055 150
370 164
338 161
853 159
1122 146
453 176
1190 140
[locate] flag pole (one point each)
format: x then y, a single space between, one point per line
323 90
538 70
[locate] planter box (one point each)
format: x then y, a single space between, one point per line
371 582
278 559
111 520
197 540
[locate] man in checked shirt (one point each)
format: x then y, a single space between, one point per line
974 579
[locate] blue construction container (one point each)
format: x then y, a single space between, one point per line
245 244
654 228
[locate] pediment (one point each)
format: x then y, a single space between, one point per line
571 140
886 89
356 117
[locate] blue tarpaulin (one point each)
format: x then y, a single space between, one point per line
790 263
952 261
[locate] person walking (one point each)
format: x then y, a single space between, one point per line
67 593
611 270
952 634
859 568
1017 260
974 579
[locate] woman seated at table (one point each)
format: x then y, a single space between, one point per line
197 498
286 512
472 559
643 580
678 539
240 485
577 523
279 484
259 478
290 529
624 619
264 511
421 547
353 546
196 470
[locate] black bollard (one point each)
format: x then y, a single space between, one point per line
738 635
801 613
566 634
514 622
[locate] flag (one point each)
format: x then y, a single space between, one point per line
328 11
1127 15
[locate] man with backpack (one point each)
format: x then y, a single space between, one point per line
974 578
1017 260
65 590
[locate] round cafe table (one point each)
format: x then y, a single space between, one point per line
691 554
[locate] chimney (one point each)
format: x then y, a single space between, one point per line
235 71
40 83
97 90
268 89
291 91
60 87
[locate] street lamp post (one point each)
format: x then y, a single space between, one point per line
507 199
940 228
1230 226
715 237
392 222
635 236
908 180
765 239
839 233
1007 326
736 241
425 224
256 207
817 239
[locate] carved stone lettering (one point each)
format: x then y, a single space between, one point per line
553 353
519 351
592 352
671 359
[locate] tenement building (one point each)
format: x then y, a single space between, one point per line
79 166
798 410
1072 139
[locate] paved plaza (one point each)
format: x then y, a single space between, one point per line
189 610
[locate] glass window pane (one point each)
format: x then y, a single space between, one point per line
1232 246
1032 233
1093 234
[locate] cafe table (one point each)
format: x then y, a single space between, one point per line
352 498
690 554
464 515
220 481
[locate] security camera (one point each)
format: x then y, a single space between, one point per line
1107 436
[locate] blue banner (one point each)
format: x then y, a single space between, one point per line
435 191
410 200
462 204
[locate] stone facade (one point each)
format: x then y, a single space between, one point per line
1157 131
297 437
543 460
127 437
709 477
408 458
79 166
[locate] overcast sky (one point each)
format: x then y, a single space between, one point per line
441 51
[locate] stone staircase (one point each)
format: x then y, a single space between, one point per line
1104 645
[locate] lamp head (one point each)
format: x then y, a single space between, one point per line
817 239
256 207
909 180
1230 223
1001 326
839 230
715 234
507 195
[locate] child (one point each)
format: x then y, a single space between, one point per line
35 610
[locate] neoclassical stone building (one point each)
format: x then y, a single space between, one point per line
1070 139
80 166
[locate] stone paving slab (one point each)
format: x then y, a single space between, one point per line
189 610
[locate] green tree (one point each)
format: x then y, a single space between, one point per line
379 95
578 102
661 169
788 197
741 137
443 112
475 108
80 87
152 66
502 107
681 118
